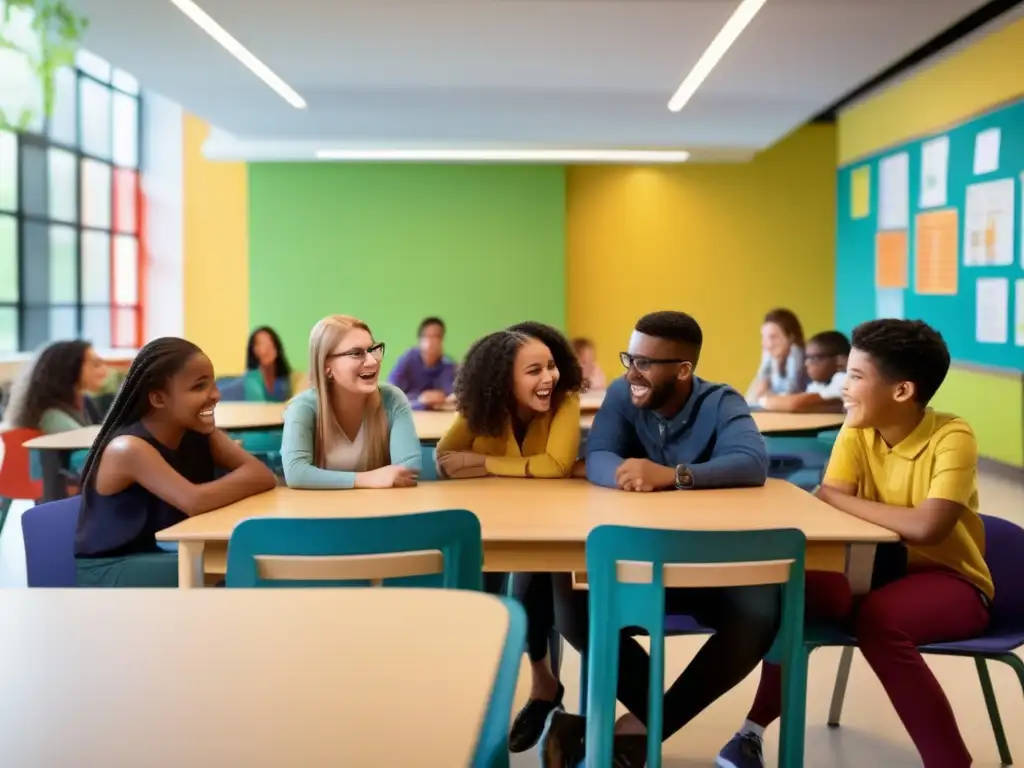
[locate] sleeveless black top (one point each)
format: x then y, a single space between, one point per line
126 522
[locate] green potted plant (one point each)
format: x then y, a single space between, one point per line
58 30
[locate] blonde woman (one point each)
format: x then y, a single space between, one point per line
349 429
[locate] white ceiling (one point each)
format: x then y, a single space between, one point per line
472 73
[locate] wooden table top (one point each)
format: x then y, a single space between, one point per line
521 510
245 677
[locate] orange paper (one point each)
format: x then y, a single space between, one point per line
891 260
936 238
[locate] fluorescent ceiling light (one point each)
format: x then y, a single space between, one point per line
640 156
206 23
726 36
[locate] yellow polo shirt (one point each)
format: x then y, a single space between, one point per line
938 460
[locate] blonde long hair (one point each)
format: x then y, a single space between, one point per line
325 336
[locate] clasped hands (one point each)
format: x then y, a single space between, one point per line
644 476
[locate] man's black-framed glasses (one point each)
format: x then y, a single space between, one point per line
376 352
643 364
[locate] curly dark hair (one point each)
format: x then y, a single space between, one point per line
906 350
281 368
674 326
832 342
51 382
483 385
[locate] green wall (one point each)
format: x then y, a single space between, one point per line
480 246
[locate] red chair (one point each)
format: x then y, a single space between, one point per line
15 475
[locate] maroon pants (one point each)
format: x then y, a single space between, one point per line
890 622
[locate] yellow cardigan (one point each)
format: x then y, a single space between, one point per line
550 446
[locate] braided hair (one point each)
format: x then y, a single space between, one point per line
150 371
51 382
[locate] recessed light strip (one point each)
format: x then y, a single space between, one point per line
206 23
500 155
726 36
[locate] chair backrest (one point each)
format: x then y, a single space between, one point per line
1004 553
428 549
49 533
492 748
15 469
628 570
232 389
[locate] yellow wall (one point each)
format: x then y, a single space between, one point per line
725 243
979 78
216 260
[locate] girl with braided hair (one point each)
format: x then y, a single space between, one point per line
519 416
153 464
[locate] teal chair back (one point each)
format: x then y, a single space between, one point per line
628 570
430 549
492 748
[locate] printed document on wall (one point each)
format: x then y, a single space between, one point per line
1020 314
986 151
992 312
894 192
934 172
989 224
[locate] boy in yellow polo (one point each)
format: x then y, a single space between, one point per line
901 465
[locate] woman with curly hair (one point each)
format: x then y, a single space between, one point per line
52 394
519 416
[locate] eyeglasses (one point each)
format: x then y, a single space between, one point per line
643 364
376 352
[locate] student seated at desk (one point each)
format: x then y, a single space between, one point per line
519 416
425 373
663 429
592 373
901 465
267 376
825 363
348 430
153 464
782 357
52 394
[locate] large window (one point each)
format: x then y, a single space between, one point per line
70 208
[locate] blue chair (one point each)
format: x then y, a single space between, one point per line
492 748
799 460
232 389
1004 553
264 444
49 533
628 570
428 549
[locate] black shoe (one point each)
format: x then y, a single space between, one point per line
529 723
561 743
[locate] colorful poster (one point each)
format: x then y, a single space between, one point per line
894 192
989 224
992 310
891 269
934 172
935 259
889 303
986 151
860 192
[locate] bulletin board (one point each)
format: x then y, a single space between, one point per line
932 230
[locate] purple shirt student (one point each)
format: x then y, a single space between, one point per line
424 373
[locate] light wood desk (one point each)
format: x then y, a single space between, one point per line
286 677
542 525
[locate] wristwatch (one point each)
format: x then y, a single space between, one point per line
683 477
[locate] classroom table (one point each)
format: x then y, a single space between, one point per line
542 525
246 677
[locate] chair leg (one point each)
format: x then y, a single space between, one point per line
835 710
793 725
993 710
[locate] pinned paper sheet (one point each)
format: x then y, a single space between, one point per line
1019 324
989 224
894 192
935 261
986 151
860 192
992 310
889 303
891 269
934 172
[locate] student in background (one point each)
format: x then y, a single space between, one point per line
825 362
519 416
587 354
661 428
903 466
267 373
424 373
153 465
52 394
349 430
782 360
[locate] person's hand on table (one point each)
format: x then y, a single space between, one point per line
644 475
391 476
432 398
459 465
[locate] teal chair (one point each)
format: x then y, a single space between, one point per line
264 444
428 549
628 570
492 749
799 460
